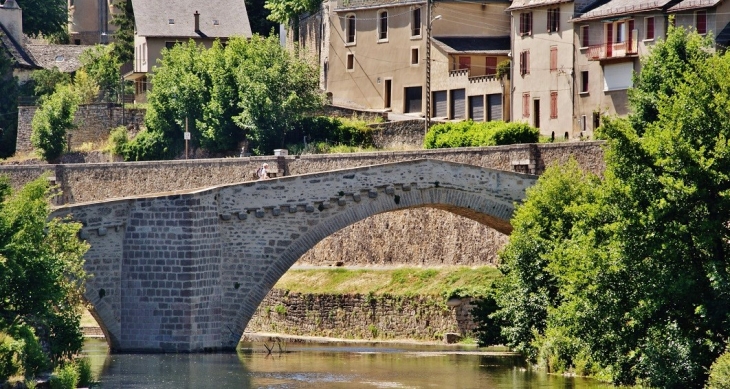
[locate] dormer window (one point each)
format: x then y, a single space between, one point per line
170 21
59 58
216 22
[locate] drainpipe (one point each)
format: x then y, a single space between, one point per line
512 67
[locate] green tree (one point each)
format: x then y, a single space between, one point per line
284 11
85 87
249 88
124 36
276 90
630 274
661 73
41 270
44 81
8 108
102 65
44 17
51 122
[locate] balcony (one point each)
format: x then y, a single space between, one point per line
609 51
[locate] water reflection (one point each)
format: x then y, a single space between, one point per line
317 366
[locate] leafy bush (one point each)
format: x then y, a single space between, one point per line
470 134
720 373
30 352
148 146
118 140
83 366
65 377
51 121
9 364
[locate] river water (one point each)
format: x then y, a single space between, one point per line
323 366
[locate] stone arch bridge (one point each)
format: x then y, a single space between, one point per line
185 271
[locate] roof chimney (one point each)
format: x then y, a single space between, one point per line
11 17
197 21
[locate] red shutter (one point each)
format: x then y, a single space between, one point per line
527 62
554 105
526 105
522 63
701 22
491 66
553 58
585 41
649 28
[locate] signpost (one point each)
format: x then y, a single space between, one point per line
187 138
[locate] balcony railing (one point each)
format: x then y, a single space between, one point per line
365 4
612 50
466 73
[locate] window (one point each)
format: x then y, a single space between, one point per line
553 104
701 17
553 58
525 105
170 21
383 26
584 82
525 23
525 62
491 66
144 52
170 44
584 37
416 22
414 56
649 28
350 29
620 32
553 20
350 61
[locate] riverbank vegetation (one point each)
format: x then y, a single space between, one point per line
41 281
452 281
626 277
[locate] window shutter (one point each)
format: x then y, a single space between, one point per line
553 58
527 62
557 19
491 66
701 22
529 23
550 20
526 105
522 24
649 28
554 105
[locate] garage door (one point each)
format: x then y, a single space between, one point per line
494 104
476 108
413 99
458 103
440 104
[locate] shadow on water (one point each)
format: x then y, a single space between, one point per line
323 366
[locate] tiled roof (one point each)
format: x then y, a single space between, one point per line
615 8
522 4
63 57
17 52
693 4
474 45
174 18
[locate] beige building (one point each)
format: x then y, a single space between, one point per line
90 21
161 25
373 56
543 74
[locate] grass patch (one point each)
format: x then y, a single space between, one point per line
446 281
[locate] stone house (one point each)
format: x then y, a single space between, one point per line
89 21
373 56
543 78
160 25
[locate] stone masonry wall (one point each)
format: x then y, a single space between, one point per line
360 316
93 121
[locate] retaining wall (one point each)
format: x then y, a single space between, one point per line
359 316
93 124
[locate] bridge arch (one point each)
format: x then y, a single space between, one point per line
461 203
186 271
